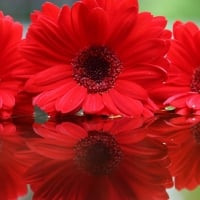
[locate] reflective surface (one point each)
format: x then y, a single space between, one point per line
84 158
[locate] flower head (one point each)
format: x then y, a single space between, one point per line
14 69
182 87
98 56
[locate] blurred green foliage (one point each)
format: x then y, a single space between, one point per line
173 9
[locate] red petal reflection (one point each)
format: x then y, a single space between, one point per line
182 134
132 165
185 160
12 184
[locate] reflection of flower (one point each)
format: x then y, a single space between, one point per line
102 160
96 56
182 136
7 129
165 127
13 67
183 85
185 157
11 169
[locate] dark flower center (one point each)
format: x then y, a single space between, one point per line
96 68
98 154
195 83
196 133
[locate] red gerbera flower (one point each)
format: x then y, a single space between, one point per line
183 85
13 67
101 160
96 56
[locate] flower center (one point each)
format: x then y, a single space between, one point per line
195 83
98 154
96 68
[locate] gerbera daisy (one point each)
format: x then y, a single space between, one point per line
103 160
183 85
96 56
14 69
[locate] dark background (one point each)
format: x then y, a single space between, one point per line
21 9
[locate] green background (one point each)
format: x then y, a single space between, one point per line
173 9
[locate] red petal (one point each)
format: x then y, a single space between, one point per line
49 131
125 126
183 111
126 105
178 28
108 102
72 130
131 89
146 27
144 73
93 103
50 10
79 12
51 149
95 26
72 100
7 99
120 27
49 79
145 51
178 100
64 21
193 101
165 91
47 99
41 41
182 57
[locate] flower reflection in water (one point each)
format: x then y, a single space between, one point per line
98 153
12 184
97 159
185 158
